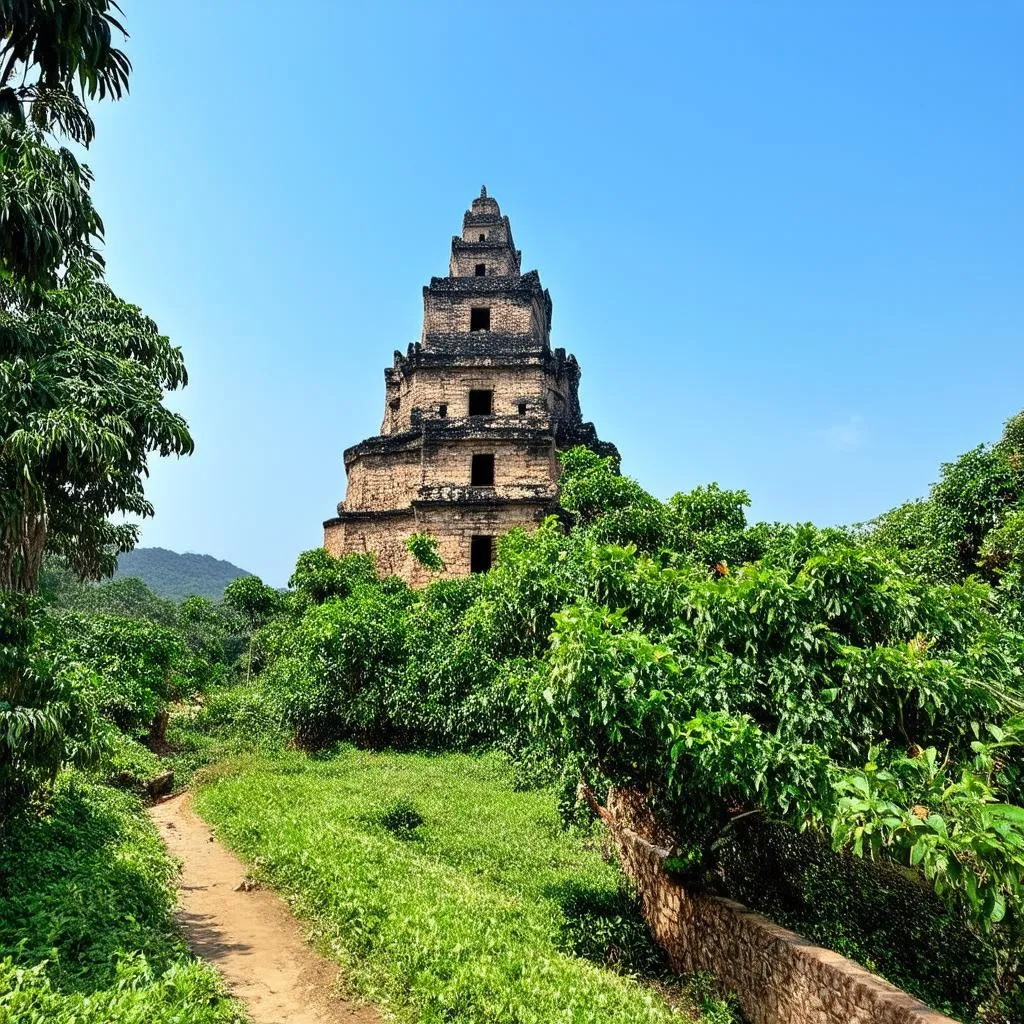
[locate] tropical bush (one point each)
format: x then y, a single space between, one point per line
47 714
133 663
863 688
127 763
86 932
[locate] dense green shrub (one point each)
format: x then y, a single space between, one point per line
875 914
339 672
863 686
126 597
318 577
47 712
605 926
233 710
86 932
135 664
943 537
215 634
127 763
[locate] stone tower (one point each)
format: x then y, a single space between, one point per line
475 413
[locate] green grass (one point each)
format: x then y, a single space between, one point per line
446 895
226 721
86 933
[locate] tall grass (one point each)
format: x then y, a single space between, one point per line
446 895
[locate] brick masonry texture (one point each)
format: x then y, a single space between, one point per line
779 977
415 475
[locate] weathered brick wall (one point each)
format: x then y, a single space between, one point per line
428 388
453 528
450 314
779 977
334 537
383 481
385 537
393 480
498 259
488 223
513 463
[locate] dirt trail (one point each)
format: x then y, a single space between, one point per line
251 937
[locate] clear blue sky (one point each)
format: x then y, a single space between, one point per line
785 240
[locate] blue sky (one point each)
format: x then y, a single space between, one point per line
785 241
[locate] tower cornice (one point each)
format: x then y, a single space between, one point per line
527 285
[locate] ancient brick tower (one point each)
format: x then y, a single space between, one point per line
475 413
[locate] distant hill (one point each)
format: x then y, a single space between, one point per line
179 576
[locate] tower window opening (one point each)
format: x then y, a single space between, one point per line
481 553
483 238
481 270
522 408
480 318
442 410
481 473
481 403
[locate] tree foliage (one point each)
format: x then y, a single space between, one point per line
82 382
864 688
47 217
943 536
47 716
54 56
133 663
82 373
252 599
318 577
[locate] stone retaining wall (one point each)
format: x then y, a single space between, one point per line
779 977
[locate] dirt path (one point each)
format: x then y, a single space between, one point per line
251 937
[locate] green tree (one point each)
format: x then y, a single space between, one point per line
215 633
614 508
54 56
82 373
82 381
133 664
47 218
252 598
319 576
47 717
943 537
255 602
127 597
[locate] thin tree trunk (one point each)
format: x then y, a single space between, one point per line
23 543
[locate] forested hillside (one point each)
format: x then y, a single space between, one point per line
178 576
